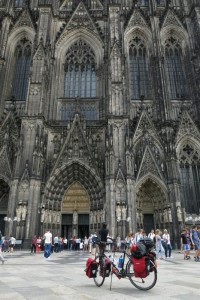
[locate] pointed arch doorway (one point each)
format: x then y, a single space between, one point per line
153 210
75 211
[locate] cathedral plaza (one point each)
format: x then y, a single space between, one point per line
31 276
99 117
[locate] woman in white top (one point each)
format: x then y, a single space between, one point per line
166 238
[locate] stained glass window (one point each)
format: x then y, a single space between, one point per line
139 80
21 70
175 69
80 72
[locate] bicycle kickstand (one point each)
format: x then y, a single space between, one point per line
111 280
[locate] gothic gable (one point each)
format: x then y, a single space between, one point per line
136 20
24 20
39 54
116 52
79 20
5 167
145 125
171 19
9 127
187 127
75 147
148 165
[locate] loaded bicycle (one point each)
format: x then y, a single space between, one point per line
139 267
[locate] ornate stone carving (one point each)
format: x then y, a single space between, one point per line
148 165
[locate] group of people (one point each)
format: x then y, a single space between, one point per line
190 239
6 245
57 244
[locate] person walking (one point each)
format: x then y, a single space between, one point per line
184 244
56 246
159 247
47 244
195 242
1 243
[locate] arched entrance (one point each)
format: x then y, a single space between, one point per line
153 209
4 195
75 211
65 184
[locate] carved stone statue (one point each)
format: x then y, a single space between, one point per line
46 216
118 212
91 217
75 218
179 214
24 212
58 217
165 215
42 215
124 212
102 215
54 217
50 217
19 211
137 216
169 215
98 216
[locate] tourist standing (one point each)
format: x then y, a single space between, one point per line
33 244
56 244
166 237
47 244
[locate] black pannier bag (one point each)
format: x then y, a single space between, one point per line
149 244
138 250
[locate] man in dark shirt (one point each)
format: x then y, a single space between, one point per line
103 233
184 244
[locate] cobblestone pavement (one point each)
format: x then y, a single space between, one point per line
31 276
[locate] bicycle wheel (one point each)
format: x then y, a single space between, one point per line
143 284
99 279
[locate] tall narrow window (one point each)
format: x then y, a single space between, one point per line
189 158
80 72
19 3
21 70
139 80
175 69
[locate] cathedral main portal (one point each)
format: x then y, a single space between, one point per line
75 211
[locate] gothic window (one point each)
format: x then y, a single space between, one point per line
175 69
80 71
21 70
143 2
2 3
139 81
19 3
189 159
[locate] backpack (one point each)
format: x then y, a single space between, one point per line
141 266
91 268
138 250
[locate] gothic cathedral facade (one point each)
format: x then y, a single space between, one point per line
100 116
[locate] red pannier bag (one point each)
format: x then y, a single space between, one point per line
140 266
107 268
91 268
